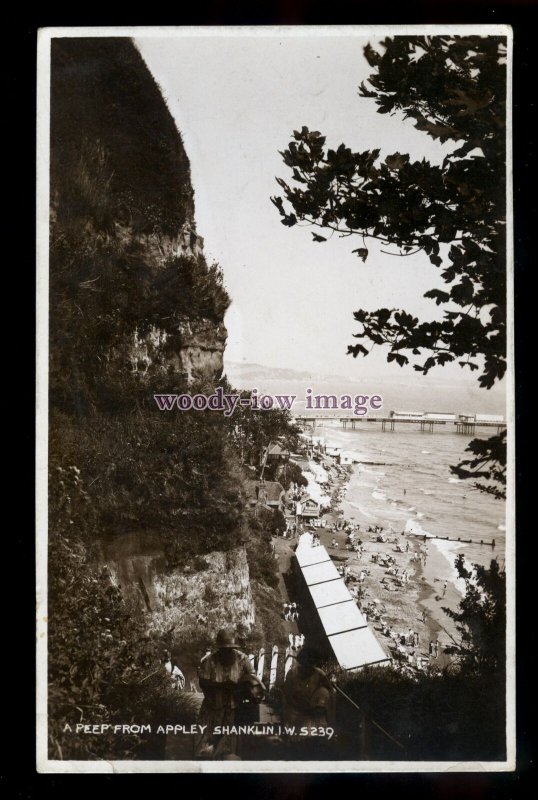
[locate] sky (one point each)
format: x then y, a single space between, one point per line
236 101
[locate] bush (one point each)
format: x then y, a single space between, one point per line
199 564
103 667
437 716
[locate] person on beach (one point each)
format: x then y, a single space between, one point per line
444 587
436 648
431 649
424 616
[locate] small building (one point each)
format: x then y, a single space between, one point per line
406 414
490 418
275 454
442 416
307 508
271 494
466 417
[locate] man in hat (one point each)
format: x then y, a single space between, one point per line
224 677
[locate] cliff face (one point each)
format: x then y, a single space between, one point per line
197 357
214 593
120 183
136 305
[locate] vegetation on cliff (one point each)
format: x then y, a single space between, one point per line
124 261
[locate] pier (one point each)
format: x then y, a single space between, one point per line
464 424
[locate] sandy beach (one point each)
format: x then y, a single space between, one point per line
401 607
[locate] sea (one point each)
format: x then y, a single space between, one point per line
403 482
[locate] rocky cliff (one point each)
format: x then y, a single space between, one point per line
212 593
120 183
197 356
134 301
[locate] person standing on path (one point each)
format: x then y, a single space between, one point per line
308 694
221 676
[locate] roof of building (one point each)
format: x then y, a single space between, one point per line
357 648
352 641
341 617
251 489
305 498
311 555
273 490
274 449
329 593
320 573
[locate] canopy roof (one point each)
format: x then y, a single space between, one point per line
329 593
353 642
311 555
320 573
356 649
341 617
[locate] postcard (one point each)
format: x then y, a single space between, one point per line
275 404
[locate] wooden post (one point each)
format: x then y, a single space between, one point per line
274 665
261 663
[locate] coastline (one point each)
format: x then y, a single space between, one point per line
407 607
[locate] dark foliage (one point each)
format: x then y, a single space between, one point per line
103 667
108 116
454 89
120 192
252 431
488 465
291 473
436 717
480 619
